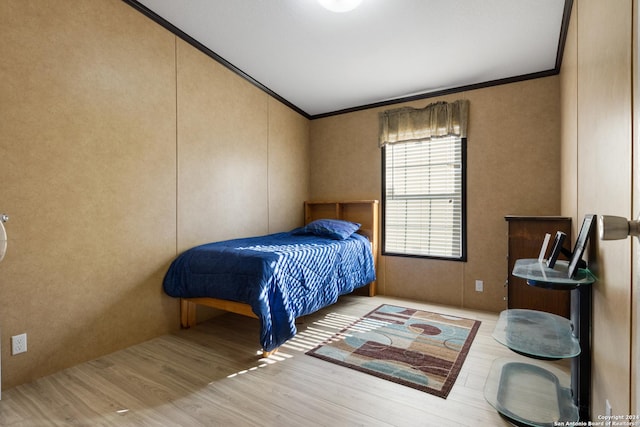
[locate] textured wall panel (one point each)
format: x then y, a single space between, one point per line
513 167
87 166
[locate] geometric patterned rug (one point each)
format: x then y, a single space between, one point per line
416 348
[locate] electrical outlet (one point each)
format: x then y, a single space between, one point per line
18 344
479 286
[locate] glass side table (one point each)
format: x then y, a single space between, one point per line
530 394
537 393
537 334
537 273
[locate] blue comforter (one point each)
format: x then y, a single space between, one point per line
281 276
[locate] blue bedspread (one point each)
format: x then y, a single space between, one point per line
281 276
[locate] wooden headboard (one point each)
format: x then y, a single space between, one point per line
364 212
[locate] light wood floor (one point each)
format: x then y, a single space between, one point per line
211 375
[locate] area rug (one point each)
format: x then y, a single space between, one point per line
419 349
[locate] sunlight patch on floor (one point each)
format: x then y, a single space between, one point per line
333 327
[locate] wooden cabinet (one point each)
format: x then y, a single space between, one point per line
526 234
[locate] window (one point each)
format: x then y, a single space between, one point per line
424 198
424 180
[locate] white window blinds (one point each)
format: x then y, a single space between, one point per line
424 198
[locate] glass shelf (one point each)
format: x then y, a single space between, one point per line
537 273
529 394
536 334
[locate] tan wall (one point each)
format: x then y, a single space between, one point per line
120 146
597 123
288 180
569 125
221 160
513 167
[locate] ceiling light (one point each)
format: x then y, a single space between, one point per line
340 5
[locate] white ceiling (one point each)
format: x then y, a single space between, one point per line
321 62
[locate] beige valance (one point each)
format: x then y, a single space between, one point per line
416 124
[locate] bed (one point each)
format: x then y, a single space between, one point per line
279 277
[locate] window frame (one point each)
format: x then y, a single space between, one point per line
463 195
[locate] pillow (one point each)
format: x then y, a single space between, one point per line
332 228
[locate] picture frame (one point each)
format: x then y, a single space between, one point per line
581 243
556 248
543 249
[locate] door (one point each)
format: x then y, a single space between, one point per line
605 121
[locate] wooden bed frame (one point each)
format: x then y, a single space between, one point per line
364 212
